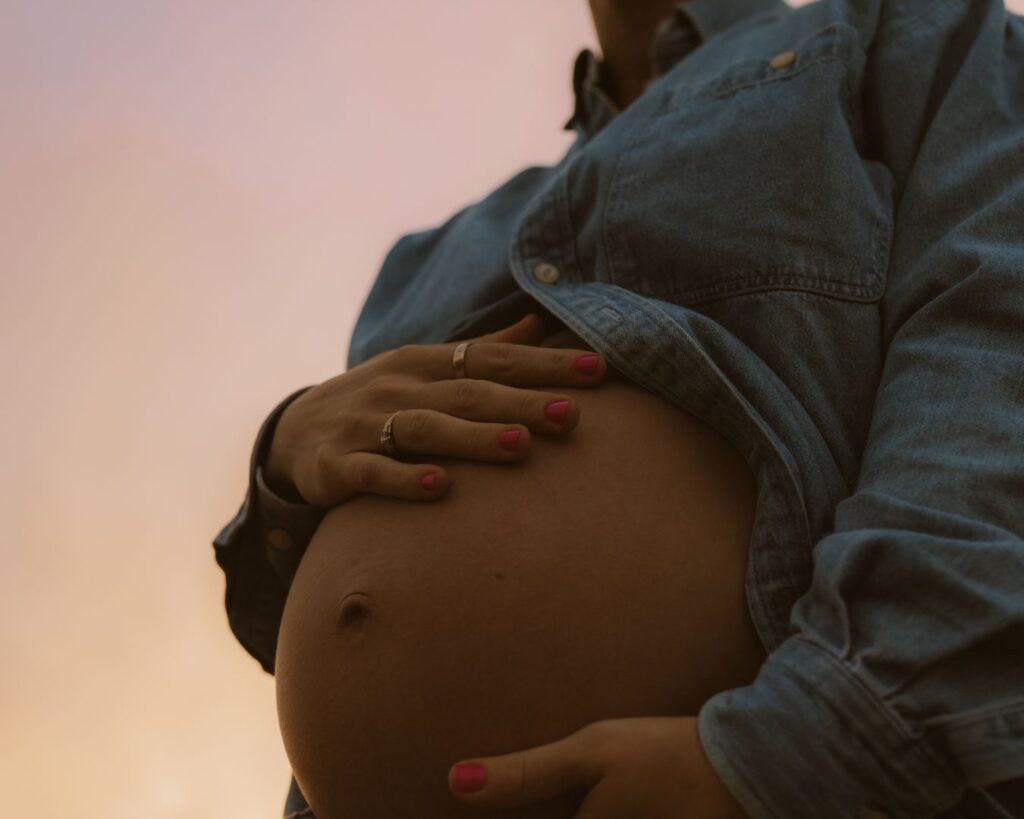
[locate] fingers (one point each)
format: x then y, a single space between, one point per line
428 432
379 475
491 403
445 416
432 433
517 365
528 330
414 432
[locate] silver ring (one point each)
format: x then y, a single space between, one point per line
387 442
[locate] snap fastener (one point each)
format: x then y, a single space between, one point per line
783 59
279 539
545 272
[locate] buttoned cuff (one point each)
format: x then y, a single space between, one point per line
808 739
288 527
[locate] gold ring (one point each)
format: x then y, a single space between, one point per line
459 359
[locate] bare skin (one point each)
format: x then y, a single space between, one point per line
625 29
602 577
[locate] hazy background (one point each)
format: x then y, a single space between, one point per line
195 198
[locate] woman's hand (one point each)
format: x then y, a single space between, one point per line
327 442
651 767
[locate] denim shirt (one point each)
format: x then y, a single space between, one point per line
808 231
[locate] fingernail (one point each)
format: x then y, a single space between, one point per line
556 410
508 439
469 778
427 481
586 364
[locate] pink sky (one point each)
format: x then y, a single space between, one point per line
196 202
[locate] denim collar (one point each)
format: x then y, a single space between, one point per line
690 24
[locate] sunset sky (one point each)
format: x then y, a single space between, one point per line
196 198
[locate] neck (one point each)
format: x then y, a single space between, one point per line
625 29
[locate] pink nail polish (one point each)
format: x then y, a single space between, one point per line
508 438
586 364
469 778
556 411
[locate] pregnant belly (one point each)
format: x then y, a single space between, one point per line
602 577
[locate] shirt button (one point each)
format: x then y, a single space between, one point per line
279 539
783 59
546 273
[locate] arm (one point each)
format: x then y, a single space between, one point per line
901 687
260 549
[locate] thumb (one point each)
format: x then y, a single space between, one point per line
526 777
528 330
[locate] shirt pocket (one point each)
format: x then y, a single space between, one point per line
754 179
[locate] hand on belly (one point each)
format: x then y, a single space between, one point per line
601 577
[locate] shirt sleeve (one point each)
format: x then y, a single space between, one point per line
900 690
260 549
